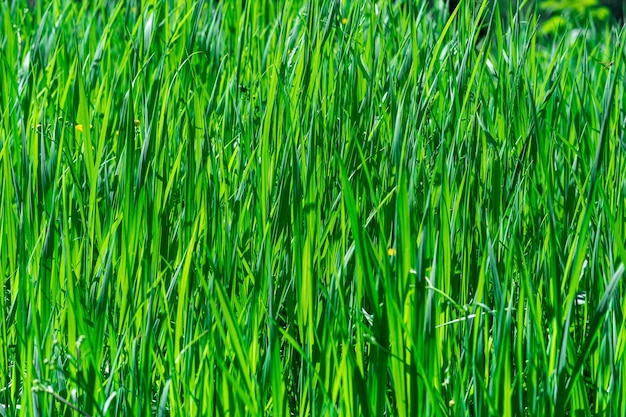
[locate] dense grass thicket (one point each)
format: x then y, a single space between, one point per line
312 208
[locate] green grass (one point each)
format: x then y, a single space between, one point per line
309 208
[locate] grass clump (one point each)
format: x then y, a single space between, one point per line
308 208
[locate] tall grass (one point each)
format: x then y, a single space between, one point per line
308 208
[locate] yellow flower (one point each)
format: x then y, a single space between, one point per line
391 251
344 21
80 128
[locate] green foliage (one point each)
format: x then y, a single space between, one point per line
559 13
309 208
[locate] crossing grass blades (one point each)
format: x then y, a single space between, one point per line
324 208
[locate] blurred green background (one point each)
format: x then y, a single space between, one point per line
553 14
